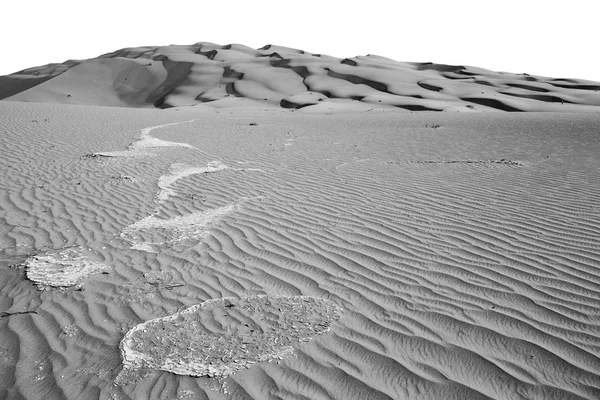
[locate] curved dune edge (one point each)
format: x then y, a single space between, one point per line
61 269
210 75
222 336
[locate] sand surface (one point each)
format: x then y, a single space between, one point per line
282 77
460 253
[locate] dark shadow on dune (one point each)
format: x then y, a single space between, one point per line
430 87
577 87
438 67
455 76
26 79
527 87
230 73
9 86
325 93
211 54
230 89
358 80
285 49
415 107
564 80
347 61
302 71
289 104
491 103
467 73
484 83
539 97
177 73
204 99
131 53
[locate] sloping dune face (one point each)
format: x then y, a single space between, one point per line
443 256
203 73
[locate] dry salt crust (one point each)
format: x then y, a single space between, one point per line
179 171
220 337
173 230
62 269
146 142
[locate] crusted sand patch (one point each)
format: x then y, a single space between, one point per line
173 230
61 269
145 142
179 171
222 336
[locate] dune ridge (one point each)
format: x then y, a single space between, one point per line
275 76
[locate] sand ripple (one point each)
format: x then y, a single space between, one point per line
465 256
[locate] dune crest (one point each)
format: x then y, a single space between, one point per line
215 76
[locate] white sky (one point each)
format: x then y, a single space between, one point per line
548 38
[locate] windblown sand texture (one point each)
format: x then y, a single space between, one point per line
221 76
447 255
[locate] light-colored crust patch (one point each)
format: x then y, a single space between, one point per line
222 336
61 269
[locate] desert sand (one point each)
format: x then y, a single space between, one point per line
222 76
257 224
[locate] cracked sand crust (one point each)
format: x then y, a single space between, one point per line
222 336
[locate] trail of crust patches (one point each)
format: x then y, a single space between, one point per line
222 336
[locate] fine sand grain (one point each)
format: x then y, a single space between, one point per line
463 248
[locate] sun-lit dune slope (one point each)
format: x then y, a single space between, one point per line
175 76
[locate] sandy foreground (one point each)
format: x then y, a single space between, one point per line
342 254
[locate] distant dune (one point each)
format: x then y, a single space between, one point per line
222 76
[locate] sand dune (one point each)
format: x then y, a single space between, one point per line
459 255
277 76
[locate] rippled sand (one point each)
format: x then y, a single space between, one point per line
463 249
